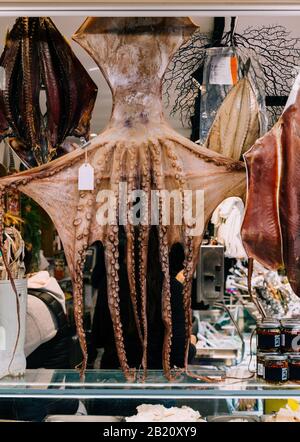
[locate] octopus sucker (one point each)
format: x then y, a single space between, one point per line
138 147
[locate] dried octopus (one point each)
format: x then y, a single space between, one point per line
140 148
271 226
36 57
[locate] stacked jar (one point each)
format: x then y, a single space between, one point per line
268 343
278 350
290 336
290 345
294 367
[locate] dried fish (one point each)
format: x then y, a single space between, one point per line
237 125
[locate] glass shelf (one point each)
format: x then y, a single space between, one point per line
111 384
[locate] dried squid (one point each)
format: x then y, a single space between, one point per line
271 226
37 58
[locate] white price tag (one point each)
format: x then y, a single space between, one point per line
2 339
86 177
2 78
220 72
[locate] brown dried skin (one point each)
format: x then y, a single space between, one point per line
271 225
261 230
236 126
138 147
37 56
289 196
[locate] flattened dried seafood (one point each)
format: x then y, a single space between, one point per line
236 126
37 57
271 226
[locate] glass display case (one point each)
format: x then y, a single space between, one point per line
107 393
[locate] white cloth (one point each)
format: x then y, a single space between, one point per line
41 324
228 218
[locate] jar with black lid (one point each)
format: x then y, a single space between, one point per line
276 368
294 367
268 336
290 336
260 360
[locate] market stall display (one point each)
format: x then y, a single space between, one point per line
139 147
107 201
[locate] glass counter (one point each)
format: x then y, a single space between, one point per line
111 384
43 394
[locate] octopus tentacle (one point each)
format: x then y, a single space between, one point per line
216 159
187 288
82 224
155 149
144 230
188 273
130 236
112 268
2 212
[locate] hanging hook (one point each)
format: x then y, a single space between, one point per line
233 23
